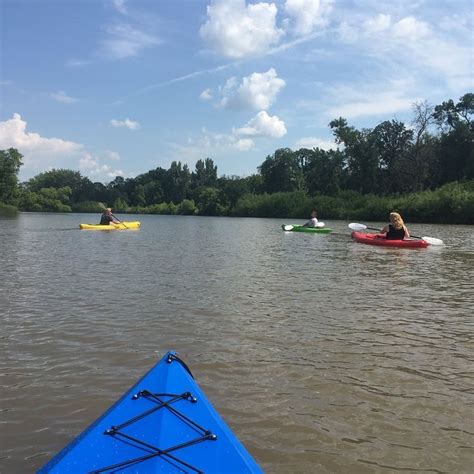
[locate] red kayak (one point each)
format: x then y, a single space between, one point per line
379 239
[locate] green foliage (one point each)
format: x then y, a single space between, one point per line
10 163
46 200
294 204
87 206
210 202
120 205
7 210
282 172
162 208
186 208
205 174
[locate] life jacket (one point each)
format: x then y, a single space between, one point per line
395 234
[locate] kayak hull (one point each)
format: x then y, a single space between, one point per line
309 230
377 239
164 423
121 226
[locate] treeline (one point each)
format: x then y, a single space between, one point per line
390 166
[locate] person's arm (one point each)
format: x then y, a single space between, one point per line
407 234
384 229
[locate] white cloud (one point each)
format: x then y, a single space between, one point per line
410 29
305 15
236 30
206 94
370 99
244 144
13 134
77 62
112 155
39 152
377 24
124 41
314 142
92 167
119 5
127 123
263 125
257 91
61 96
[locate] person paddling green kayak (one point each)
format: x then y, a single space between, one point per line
313 220
312 226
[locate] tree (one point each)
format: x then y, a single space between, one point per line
391 143
449 115
361 156
324 171
178 180
10 163
210 202
282 172
233 188
46 200
205 174
455 152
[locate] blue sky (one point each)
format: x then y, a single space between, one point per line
119 87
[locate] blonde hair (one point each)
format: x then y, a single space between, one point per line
396 220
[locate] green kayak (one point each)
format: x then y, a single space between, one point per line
310 230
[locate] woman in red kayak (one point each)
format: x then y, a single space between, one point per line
397 229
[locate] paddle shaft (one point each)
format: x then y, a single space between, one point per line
120 222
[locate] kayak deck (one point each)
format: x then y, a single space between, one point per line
164 423
378 239
121 226
309 230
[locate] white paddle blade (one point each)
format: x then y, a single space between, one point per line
356 226
433 241
288 227
320 224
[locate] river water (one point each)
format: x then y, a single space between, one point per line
323 355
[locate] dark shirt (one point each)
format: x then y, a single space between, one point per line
106 219
395 234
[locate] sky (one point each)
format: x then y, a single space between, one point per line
119 87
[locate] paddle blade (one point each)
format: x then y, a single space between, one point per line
356 226
287 227
433 241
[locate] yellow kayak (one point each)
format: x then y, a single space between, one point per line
121 226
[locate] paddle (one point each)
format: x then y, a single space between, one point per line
291 227
115 217
431 240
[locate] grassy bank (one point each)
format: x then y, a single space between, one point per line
450 204
453 203
6 210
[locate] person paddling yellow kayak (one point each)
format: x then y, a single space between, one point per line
107 218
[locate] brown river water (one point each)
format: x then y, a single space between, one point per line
322 354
